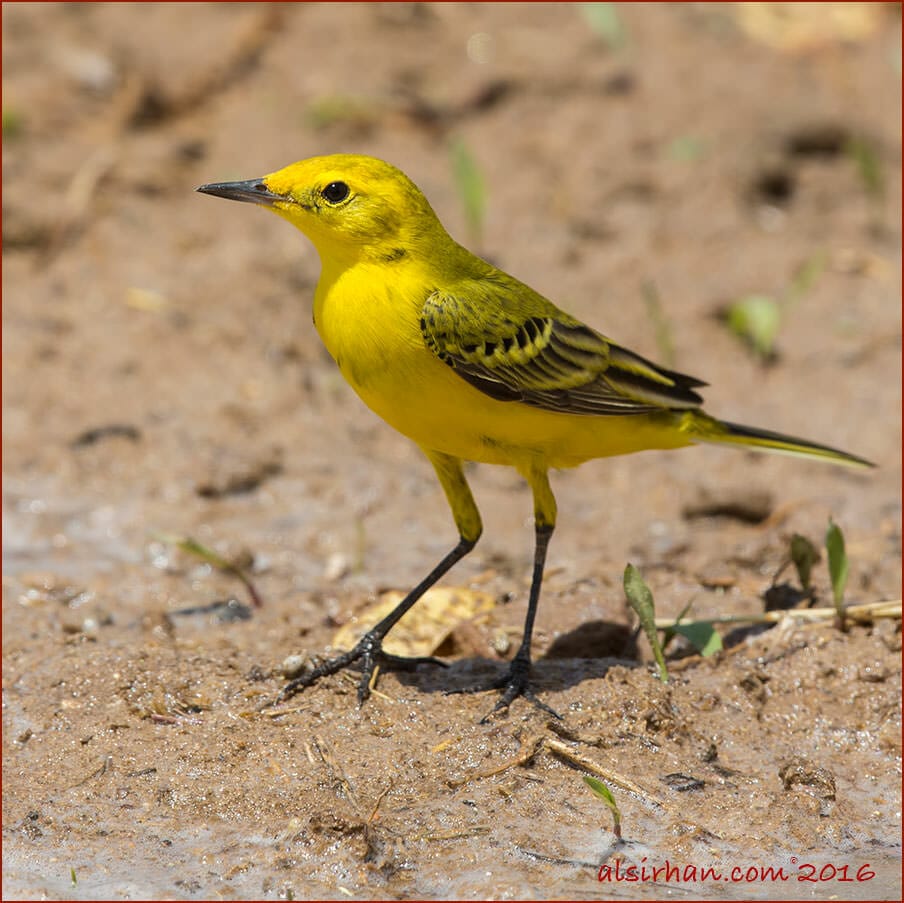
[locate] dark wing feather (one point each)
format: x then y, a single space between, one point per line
539 356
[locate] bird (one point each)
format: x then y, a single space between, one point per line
473 366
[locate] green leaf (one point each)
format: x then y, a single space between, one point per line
865 158
756 319
641 600
604 20
669 633
702 635
12 123
471 190
605 794
661 325
838 564
193 547
806 276
686 148
327 111
804 555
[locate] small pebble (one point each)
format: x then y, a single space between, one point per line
337 567
683 782
292 666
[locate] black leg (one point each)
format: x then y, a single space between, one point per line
516 682
369 650
370 647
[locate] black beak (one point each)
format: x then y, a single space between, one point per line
254 191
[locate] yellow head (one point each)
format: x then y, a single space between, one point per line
351 207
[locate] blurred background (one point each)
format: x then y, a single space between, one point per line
715 185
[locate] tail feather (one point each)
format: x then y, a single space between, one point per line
702 428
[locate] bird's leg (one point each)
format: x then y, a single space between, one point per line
516 681
369 649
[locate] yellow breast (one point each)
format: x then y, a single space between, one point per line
371 327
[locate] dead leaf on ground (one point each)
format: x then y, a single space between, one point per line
423 629
796 27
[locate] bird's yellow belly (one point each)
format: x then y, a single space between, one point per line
425 399
383 356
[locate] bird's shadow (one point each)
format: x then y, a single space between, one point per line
585 653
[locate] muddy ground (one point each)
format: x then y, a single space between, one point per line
162 378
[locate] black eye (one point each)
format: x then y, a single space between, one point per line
335 192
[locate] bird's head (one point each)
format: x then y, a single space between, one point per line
349 206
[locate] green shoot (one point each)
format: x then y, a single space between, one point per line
804 555
669 633
471 189
865 158
604 20
605 794
12 123
72 876
193 547
686 149
702 635
756 319
806 277
661 326
838 566
327 111
641 600
360 544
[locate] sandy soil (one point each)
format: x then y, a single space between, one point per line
162 377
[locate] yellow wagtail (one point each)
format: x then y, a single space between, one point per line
472 365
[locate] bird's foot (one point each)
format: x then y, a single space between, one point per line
369 651
514 683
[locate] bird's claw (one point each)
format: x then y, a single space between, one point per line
511 692
514 683
369 651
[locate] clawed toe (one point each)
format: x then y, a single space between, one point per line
369 651
514 683
510 693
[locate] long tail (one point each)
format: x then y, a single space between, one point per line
700 427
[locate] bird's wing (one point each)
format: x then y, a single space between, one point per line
525 350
